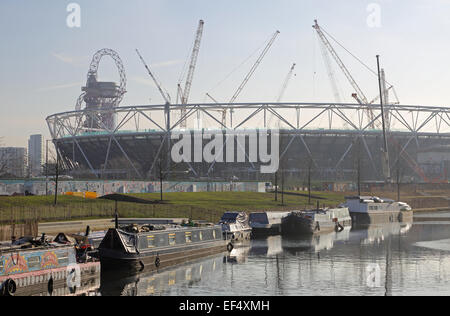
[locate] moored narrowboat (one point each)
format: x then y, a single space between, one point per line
29 266
235 226
139 249
317 221
266 223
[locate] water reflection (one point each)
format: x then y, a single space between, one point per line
315 243
393 259
238 255
161 283
87 287
376 234
269 246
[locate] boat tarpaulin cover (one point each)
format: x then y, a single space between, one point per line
128 198
235 217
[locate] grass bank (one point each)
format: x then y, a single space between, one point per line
200 205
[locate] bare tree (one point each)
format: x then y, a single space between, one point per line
49 165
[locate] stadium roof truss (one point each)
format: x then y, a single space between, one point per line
295 119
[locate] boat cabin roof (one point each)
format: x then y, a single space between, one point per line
233 216
9 247
368 199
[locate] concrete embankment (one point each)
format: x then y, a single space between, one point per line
437 215
431 210
53 228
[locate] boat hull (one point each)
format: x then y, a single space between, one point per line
382 217
238 236
157 260
269 230
296 225
71 280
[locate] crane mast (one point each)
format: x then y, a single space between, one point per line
209 96
285 83
282 91
224 112
165 95
190 75
179 92
254 67
250 73
359 94
339 62
331 76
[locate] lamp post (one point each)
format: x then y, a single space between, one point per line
161 179
282 187
46 166
56 174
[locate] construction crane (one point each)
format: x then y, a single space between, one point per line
246 79
209 96
339 62
190 75
164 94
224 112
282 91
359 95
179 92
330 71
385 93
285 83
249 75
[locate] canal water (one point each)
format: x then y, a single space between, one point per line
392 259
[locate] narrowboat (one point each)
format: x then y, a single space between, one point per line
266 223
153 248
317 221
366 210
30 266
235 226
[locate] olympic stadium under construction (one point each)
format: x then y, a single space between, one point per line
330 141
332 154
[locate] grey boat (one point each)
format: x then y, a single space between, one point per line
310 222
157 248
266 223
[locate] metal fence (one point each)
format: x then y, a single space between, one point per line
50 213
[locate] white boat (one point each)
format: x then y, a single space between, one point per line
235 226
372 209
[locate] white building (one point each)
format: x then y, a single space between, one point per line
35 155
13 161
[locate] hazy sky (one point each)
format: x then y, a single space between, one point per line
43 62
